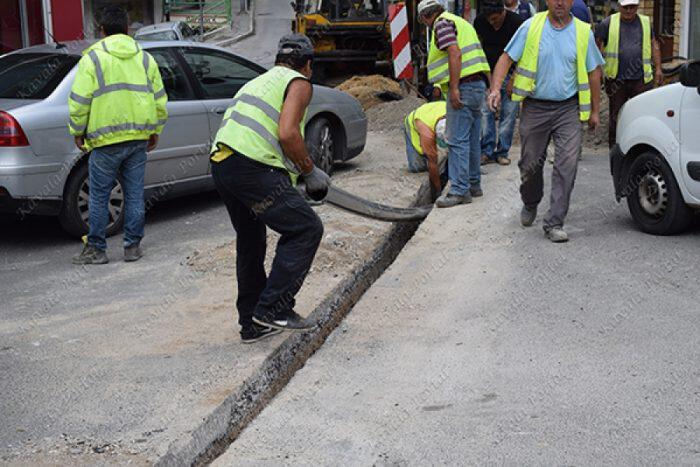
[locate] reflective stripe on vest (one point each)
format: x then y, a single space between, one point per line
612 49
526 71
473 57
251 123
430 114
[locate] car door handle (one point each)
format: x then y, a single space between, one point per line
218 110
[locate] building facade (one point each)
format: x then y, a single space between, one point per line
29 22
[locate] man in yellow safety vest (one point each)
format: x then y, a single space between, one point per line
257 156
558 78
629 46
117 109
457 64
422 128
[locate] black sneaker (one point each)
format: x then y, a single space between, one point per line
528 216
133 252
476 191
286 321
256 333
91 255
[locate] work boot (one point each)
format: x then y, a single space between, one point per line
255 333
133 253
502 160
486 160
527 216
556 235
476 191
285 321
449 200
91 255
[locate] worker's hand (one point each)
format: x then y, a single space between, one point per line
594 121
80 143
494 100
152 143
455 100
317 184
659 77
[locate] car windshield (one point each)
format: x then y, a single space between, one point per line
33 75
168 35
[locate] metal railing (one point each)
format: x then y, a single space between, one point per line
199 13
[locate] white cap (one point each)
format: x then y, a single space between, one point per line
425 4
628 2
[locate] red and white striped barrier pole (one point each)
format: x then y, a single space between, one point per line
400 41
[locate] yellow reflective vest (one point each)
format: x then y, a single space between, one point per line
117 95
526 71
473 57
612 49
430 114
251 124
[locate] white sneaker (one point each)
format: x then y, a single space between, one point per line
556 235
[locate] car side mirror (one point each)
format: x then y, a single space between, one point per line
690 74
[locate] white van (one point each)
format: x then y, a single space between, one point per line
656 161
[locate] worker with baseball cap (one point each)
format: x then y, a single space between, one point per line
257 157
457 64
627 40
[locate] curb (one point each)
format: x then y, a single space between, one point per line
217 431
250 32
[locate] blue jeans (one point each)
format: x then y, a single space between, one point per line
463 139
126 161
506 126
416 162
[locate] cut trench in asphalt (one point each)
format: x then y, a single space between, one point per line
217 431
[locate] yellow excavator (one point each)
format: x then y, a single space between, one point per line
354 32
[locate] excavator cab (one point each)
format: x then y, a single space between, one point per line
344 31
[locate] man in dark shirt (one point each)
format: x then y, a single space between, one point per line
495 27
630 79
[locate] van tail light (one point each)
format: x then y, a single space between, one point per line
11 134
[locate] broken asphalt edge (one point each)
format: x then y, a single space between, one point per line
220 428
250 32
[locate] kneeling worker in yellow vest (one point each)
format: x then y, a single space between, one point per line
117 109
423 127
257 156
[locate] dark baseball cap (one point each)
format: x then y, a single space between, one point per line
295 44
492 6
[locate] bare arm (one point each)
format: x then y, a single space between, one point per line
499 74
428 142
594 82
454 57
298 97
656 56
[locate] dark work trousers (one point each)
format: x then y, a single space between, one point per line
541 121
618 93
259 196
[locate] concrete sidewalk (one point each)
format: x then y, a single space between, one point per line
486 343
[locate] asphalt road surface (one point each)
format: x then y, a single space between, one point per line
273 19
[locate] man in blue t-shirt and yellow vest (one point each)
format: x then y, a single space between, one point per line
257 157
457 64
558 78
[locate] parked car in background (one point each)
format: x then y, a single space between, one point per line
170 31
42 172
656 161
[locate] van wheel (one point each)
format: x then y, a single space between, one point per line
74 211
320 143
654 199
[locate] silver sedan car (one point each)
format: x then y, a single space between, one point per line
42 172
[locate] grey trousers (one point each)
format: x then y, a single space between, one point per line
541 121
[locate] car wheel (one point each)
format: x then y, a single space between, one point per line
321 144
654 199
74 212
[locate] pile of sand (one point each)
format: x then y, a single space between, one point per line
366 89
389 116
